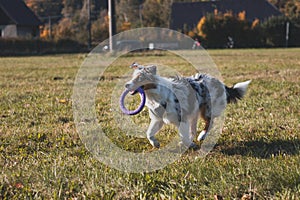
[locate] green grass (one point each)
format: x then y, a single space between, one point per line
257 156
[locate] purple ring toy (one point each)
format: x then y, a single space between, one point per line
141 106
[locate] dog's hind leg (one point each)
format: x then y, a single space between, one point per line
154 127
193 127
208 126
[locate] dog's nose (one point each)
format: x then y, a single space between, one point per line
126 85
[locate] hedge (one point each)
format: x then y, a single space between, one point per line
14 46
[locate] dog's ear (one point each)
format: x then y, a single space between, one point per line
152 69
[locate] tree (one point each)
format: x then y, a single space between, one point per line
100 27
218 29
46 8
291 8
128 13
64 29
70 7
156 13
74 21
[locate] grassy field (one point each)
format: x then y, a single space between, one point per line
256 157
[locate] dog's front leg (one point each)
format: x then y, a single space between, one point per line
154 127
184 134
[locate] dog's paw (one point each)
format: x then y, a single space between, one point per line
202 135
154 142
193 146
189 145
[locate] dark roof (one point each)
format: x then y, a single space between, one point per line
16 12
191 13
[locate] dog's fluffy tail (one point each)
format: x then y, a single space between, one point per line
236 92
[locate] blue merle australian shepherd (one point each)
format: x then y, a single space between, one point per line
181 100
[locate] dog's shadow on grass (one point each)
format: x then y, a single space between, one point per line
263 149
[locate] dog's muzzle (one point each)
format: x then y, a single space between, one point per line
132 92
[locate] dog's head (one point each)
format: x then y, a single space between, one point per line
142 77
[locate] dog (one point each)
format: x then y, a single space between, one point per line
181 100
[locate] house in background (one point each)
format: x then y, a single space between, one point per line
17 20
187 15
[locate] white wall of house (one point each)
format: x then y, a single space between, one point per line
13 31
9 31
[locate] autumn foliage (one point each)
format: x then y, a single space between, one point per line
217 28
68 19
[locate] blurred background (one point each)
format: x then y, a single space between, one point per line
45 26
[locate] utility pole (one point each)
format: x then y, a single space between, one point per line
287 34
110 26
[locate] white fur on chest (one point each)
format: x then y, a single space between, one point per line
161 104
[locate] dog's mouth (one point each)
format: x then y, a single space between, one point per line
144 87
133 92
